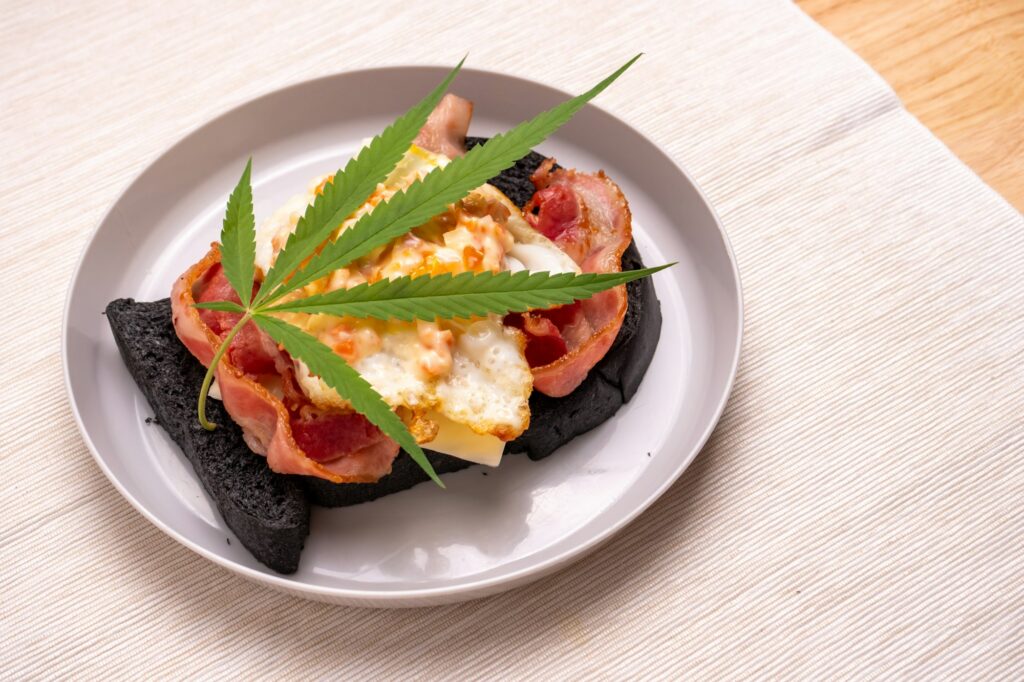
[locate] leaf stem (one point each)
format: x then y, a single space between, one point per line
211 370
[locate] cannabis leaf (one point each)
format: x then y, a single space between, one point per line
405 298
441 187
464 295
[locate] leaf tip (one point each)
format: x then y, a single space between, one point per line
628 64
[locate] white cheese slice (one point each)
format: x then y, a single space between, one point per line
458 440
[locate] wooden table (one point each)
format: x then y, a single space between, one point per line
958 65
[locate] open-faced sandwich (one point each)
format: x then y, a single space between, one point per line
439 302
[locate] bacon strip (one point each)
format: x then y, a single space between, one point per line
587 217
269 427
446 128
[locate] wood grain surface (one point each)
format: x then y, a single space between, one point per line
958 65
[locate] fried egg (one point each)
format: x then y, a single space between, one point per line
462 386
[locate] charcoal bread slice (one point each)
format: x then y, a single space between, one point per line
268 512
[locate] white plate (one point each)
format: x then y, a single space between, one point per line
484 534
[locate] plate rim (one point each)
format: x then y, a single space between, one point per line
426 595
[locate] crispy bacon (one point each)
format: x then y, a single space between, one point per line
445 130
270 428
587 217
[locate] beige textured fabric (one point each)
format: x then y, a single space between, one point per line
857 512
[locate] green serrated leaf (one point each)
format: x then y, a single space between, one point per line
340 376
238 237
222 306
465 295
350 187
441 187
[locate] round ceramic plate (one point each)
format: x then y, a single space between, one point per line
483 534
